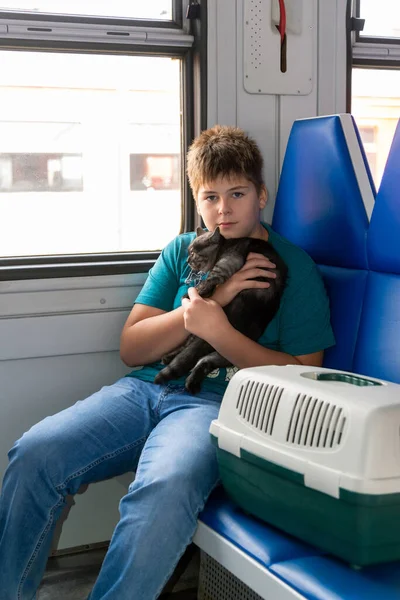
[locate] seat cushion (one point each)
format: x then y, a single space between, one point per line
264 543
345 289
325 578
306 569
378 348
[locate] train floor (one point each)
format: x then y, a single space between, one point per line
71 576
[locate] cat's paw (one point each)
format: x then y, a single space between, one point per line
204 290
193 384
160 378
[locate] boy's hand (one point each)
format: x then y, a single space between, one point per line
256 265
202 316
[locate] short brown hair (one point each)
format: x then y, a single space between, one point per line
223 151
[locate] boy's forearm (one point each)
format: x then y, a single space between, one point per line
149 339
243 352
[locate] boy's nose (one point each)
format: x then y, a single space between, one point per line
224 207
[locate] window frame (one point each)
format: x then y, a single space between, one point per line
177 21
365 52
168 38
373 51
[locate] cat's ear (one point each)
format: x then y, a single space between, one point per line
216 235
199 231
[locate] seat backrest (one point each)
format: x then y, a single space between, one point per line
378 345
323 204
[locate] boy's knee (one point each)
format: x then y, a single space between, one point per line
30 451
176 489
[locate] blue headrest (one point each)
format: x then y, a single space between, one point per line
325 193
384 233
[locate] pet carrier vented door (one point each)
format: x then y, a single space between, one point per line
315 452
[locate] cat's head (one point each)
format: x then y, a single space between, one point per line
203 251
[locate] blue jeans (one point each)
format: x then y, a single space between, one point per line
161 432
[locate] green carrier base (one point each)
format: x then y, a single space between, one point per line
362 529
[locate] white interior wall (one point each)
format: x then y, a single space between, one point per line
267 117
59 342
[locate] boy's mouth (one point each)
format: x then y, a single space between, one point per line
222 225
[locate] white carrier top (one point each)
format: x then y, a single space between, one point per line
338 429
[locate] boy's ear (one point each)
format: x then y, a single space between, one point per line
199 231
263 197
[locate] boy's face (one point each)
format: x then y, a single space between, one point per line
233 205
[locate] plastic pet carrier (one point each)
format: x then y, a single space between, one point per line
316 453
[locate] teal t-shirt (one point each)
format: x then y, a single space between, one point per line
301 325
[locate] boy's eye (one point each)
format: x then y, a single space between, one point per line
237 194
211 198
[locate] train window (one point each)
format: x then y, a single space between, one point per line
375 81
382 19
97 112
376 108
133 9
101 136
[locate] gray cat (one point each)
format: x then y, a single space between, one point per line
249 312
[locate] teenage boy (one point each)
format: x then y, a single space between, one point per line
161 432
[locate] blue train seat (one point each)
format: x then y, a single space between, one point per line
378 344
325 204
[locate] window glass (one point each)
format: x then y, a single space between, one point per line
376 108
382 19
89 153
40 157
133 9
37 171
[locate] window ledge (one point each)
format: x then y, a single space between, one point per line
21 269
104 33
386 52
